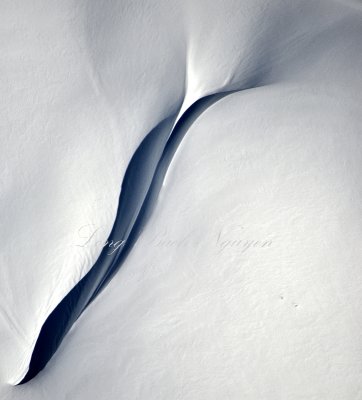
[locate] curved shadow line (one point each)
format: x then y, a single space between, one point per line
140 187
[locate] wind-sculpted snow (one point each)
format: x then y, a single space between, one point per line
140 187
180 199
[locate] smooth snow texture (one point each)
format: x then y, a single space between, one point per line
197 311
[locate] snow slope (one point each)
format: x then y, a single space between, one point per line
245 282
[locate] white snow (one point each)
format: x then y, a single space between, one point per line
246 281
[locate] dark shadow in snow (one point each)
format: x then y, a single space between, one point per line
140 188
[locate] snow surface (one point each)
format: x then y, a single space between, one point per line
246 281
